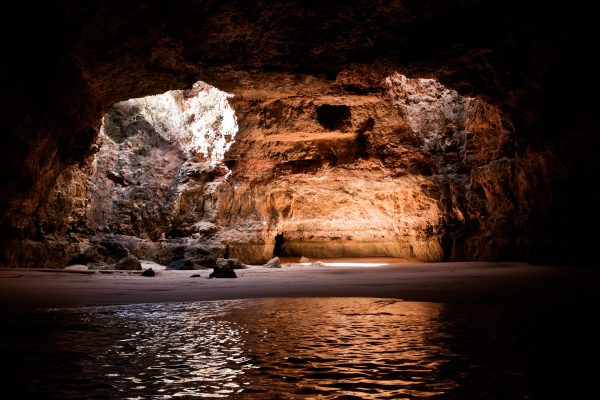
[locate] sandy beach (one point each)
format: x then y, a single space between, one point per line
472 282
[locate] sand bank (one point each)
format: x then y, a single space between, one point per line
469 282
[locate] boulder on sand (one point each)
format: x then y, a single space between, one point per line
273 263
106 252
129 263
223 269
234 263
203 255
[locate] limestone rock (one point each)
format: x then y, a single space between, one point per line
107 252
170 251
304 259
232 263
273 263
204 255
129 263
139 247
400 175
327 137
49 253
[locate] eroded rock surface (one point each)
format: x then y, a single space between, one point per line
409 171
129 263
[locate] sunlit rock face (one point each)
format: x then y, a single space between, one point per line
146 181
334 175
398 172
470 147
391 173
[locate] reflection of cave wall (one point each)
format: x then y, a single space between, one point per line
528 197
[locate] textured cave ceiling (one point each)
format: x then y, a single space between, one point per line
67 62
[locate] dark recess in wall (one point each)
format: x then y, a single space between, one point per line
334 117
279 249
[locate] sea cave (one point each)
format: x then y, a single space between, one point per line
398 167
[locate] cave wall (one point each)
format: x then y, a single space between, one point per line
529 60
407 168
309 164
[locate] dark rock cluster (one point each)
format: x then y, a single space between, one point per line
109 254
224 268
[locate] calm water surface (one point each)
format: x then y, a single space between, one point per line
313 348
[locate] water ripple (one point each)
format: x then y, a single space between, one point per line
274 348
344 348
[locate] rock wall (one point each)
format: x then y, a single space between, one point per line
470 144
527 197
154 152
407 169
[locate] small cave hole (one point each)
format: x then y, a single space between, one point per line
279 248
334 117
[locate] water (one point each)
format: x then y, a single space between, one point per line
313 348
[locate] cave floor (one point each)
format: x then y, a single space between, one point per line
457 282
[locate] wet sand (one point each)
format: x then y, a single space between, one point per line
460 282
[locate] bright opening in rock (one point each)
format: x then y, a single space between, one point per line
199 122
160 160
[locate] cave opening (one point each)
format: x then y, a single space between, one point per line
199 122
279 247
160 159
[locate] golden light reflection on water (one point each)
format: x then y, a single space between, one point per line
366 348
258 349
344 348
273 348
